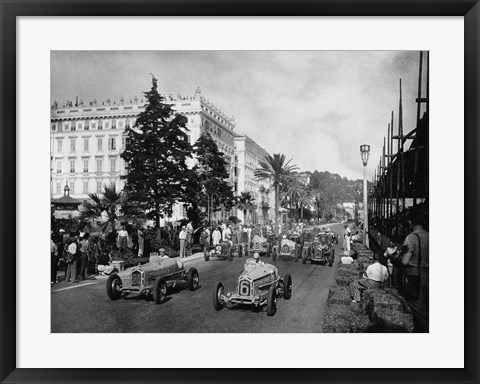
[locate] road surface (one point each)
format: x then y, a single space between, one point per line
85 307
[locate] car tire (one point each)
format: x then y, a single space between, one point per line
114 285
240 251
274 254
271 304
193 279
287 287
230 254
206 256
297 253
331 259
218 303
304 256
159 290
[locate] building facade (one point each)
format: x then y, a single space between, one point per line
87 141
249 156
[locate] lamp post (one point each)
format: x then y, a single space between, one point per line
364 151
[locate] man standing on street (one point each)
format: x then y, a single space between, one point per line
84 249
189 234
216 236
183 240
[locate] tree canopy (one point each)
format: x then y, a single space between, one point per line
156 153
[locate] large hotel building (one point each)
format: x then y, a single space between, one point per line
87 140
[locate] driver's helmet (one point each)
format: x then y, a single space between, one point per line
256 256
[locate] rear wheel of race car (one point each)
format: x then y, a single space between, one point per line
240 251
114 285
193 279
159 290
274 254
218 302
331 258
304 256
287 287
206 256
271 304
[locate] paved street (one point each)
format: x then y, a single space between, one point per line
85 307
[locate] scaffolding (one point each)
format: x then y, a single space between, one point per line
400 182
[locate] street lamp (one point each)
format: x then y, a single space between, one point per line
364 151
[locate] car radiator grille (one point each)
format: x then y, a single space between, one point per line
244 288
136 278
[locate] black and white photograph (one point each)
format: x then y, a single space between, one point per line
262 191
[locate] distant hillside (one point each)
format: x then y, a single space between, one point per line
337 189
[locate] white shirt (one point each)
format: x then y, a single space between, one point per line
182 235
377 272
227 234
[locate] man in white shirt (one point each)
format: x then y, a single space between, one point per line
227 233
374 277
183 239
216 236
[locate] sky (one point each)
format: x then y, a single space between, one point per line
316 107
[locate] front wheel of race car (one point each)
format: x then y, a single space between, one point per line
331 258
193 279
218 292
159 290
297 253
287 287
271 303
114 287
206 256
304 256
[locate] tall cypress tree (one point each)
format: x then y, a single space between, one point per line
156 152
212 175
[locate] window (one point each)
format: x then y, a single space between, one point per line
59 146
99 143
85 186
99 187
123 143
72 166
72 145
72 186
99 165
113 164
85 144
127 123
59 187
112 184
87 125
114 124
112 143
54 127
74 126
100 124
85 165
59 167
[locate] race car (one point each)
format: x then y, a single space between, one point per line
224 250
321 251
257 286
153 280
287 249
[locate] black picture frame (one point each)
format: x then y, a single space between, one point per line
9 10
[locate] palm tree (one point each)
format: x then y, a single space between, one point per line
275 168
107 203
245 202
